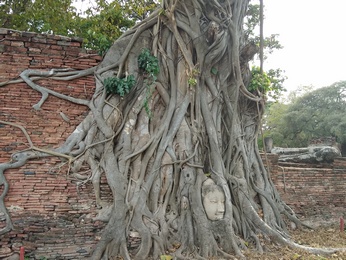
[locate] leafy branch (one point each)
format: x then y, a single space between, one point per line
270 82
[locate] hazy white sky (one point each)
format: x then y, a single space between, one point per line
314 39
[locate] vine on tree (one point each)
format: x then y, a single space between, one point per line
149 64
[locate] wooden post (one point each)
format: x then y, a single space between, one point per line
342 224
22 252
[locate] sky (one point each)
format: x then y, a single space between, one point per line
314 39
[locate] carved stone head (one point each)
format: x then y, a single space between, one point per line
213 200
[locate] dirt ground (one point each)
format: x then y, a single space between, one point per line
325 236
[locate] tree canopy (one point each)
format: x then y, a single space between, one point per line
318 113
105 21
43 16
99 25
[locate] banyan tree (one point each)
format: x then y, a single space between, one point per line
174 129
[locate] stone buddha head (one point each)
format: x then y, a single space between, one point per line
213 200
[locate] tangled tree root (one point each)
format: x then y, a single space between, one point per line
189 118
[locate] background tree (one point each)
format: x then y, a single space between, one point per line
317 113
105 21
99 26
272 124
43 16
272 120
170 114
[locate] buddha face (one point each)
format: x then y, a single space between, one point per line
213 201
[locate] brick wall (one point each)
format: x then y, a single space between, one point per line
315 191
51 216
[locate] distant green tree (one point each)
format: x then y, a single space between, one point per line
273 123
42 16
316 114
100 25
10 11
107 20
273 117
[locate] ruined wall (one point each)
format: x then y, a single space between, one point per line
315 191
51 214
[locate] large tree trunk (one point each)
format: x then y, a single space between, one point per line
180 149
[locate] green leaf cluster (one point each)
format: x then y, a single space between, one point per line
148 63
259 81
269 83
192 80
166 257
120 86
